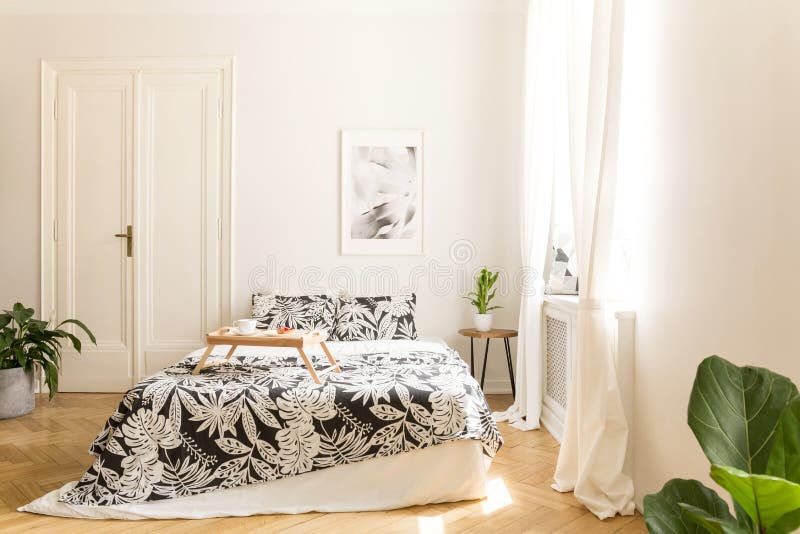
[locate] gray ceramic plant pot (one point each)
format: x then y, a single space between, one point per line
16 392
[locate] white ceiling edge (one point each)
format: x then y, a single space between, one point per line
251 7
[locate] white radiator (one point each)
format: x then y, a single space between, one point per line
559 328
559 324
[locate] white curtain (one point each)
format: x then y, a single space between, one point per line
596 433
572 78
540 141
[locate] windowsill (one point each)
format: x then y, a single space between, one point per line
566 299
569 303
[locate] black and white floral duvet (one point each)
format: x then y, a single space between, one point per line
261 417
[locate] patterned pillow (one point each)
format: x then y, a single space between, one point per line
304 312
364 318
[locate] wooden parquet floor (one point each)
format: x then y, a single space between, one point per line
45 449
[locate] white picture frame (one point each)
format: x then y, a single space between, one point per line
382 192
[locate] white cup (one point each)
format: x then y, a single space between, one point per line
245 326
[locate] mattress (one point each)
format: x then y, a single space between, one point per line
259 422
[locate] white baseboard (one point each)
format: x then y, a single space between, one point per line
552 423
496 387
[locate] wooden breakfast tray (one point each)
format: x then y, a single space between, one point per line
223 336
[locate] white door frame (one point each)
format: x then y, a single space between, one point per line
50 70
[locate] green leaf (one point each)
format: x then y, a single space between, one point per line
51 378
54 351
663 513
76 343
715 525
784 458
20 313
765 498
5 318
734 412
36 324
9 334
786 524
20 356
82 326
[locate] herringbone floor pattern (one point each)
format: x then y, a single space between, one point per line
43 450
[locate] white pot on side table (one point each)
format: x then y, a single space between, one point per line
483 321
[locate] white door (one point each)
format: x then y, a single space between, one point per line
94 201
144 149
180 216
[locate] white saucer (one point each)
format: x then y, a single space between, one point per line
235 332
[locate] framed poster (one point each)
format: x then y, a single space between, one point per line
381 192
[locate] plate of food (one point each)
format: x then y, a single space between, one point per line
285 331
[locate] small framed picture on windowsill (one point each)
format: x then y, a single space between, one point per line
381 197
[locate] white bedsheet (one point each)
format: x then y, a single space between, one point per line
449 472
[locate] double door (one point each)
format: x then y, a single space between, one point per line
139 179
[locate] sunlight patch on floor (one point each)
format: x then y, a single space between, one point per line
497 496
431 524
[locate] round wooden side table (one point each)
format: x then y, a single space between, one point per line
505 335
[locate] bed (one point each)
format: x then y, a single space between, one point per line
403 424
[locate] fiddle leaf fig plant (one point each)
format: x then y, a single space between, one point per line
483 294
747 421
28 343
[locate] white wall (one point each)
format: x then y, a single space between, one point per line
304 71
711 123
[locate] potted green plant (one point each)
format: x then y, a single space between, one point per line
747 420
27 344
481 297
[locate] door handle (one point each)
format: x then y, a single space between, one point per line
128 235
